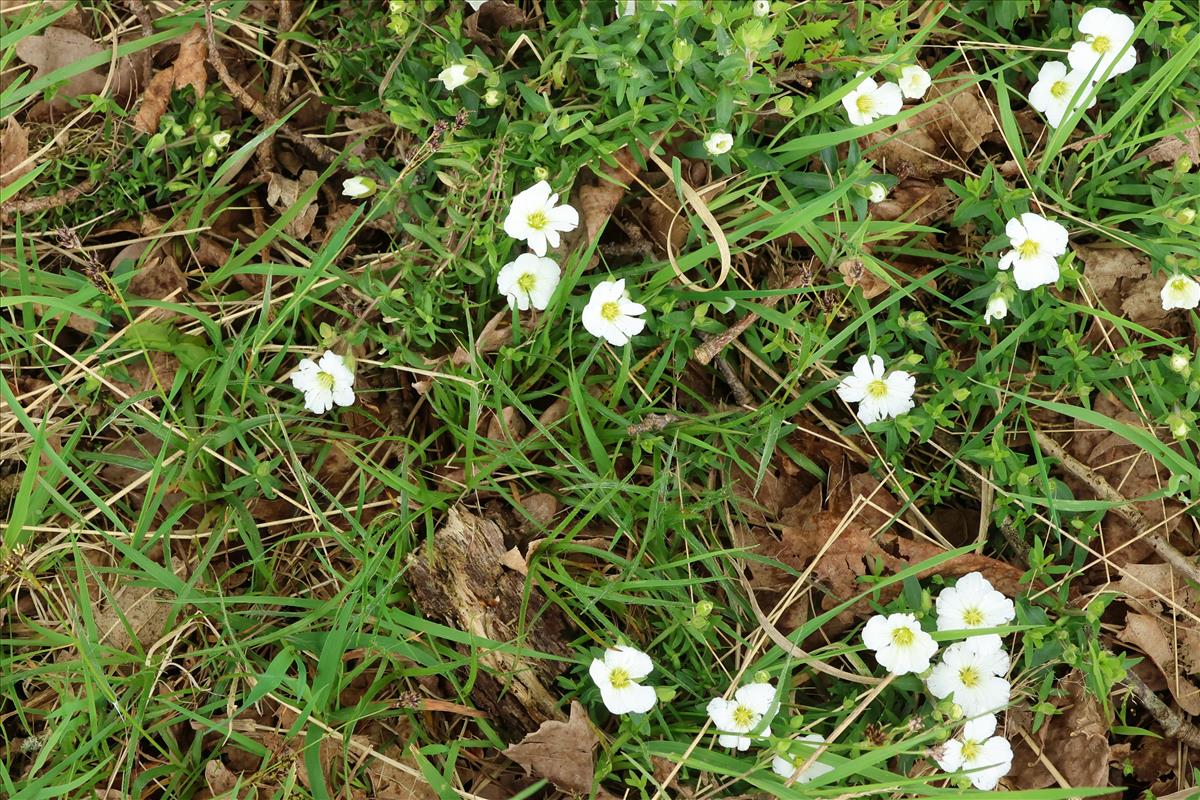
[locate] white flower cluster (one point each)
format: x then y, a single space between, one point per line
970 674
739 721
1106 51
870 100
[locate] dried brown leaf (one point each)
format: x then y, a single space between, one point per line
1169 148
133 614
282 194
14 149
855 273
59 47
1149 635
188 70
560 752
1121 279
598 200
917 201
1075 742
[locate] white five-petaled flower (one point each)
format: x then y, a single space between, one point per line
899 643
528 281
358 187
869 101
786 766
914 81
878 397
971 671
743 715
1105 34
761 8
324 382
456 75
983 757
876 192
1180 291
1036 245
1056 88
617 676
536 218
610 314
997 308
972 603
718 143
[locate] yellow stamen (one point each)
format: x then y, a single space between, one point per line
970 751
1028 249
972 617
864 103
1179 285
526 282
743 716
325 380
1060 89
1101 44
610 311
619 678
877 389
537 220
902 637
968 677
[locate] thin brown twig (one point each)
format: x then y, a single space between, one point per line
36 205
1124 508
707 351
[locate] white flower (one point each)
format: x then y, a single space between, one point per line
1037 243
611 315
971 671
786 766
914 81
535 217
220 139
1056 88
456 75
869 101
972 603
743 714
983 757
899 643
324 382
718 143
877 397
1105 35
876 192
1180 291
358 187
617 676
528 281
997 308
476 4
762 8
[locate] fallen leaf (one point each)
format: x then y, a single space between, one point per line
1148 635
133 614
1075 742
855 273
508 426
1170 148
60 47
188 70
218 777
541 508
938 140
495 15
598 200
917 201
513 559
14 149
1121 279
282 194
560 752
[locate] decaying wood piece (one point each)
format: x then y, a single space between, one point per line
464 584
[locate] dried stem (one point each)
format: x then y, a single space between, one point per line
707 351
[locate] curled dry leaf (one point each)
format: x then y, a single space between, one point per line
1122 282
855 273
59 47
1164 623
1149 635
598 200
282 194
560 752
188 70
14 149
939 139
917 201
1075 742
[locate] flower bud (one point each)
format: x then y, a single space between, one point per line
1185 216
541 173
221 139
1181 363
492 98
209 158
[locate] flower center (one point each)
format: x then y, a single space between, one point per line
1060 89
972 617
1028 249
1101 44
537 220
865 103
968 677
970 750
526 282
619 678
1179 285
610 311
325 380
879 389
901 637
743 717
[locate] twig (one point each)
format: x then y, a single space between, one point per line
1172 722
707 351
1123 508
326 155
652 422
36 205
